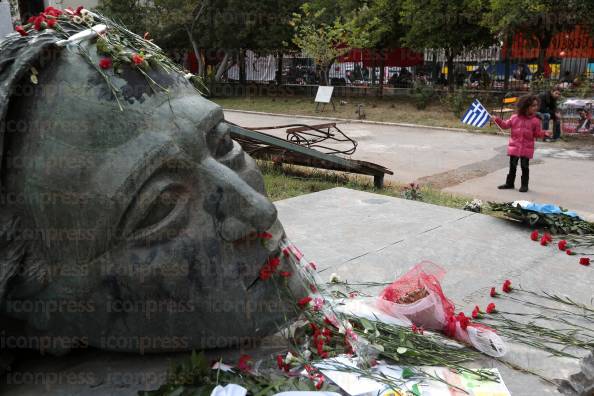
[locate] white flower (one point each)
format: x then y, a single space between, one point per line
289 358
307 354
77 19
334 278
88 18
84 12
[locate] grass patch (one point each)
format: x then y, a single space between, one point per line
291 181
398 109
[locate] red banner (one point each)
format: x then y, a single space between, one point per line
575 44
400 57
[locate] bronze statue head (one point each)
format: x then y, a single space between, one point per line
132 228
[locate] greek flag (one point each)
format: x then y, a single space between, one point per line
476 115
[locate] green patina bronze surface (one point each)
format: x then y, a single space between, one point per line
126 230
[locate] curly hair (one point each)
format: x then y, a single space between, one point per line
525 102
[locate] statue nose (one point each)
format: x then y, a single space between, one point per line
238 208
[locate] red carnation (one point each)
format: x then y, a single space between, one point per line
39 21
548 237
534 235
585 261
544 241
52 11
78 10
569 252
265 273
285 274
137 59
245 363
476 313
562 244
105 63
274 262
21 31
464 320
51 22
313 266
304 301
507 286
491 308
493 292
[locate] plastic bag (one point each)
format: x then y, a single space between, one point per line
401 298
417 295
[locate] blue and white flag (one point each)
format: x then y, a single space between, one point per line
476 115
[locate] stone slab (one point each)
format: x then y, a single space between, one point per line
366 237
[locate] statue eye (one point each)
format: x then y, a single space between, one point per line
159 212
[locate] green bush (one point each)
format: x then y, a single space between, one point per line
458 101
422 95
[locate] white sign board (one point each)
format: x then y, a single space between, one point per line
324 94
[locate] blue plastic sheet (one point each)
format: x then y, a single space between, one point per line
546 209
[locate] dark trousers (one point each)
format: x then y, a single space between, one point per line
513 165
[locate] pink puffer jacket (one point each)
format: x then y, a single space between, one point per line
524 130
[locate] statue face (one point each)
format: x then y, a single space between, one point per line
144 220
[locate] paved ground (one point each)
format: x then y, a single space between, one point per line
464 163
374 238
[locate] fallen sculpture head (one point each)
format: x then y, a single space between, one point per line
129 216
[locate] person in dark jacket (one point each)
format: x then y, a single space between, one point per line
548 111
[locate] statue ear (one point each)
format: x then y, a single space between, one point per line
12 249
17 56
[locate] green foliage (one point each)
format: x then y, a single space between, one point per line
324 36
452 25
412 192
537 19
422 94
458 101
556 223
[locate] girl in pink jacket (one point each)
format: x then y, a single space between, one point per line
525 128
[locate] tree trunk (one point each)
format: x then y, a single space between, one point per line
508 44
381 77
279 69
544 42
223 66
196 53
242 74
451 71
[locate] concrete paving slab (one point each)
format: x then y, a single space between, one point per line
478 252
564 182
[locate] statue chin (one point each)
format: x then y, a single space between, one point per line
131 230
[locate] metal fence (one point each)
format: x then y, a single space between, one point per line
483 69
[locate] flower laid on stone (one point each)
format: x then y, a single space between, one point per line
569 252
493 292
507 286
534 235
269 268
476 205
245 363
304 302
491 308
334 278
562 244
585 261
476 313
